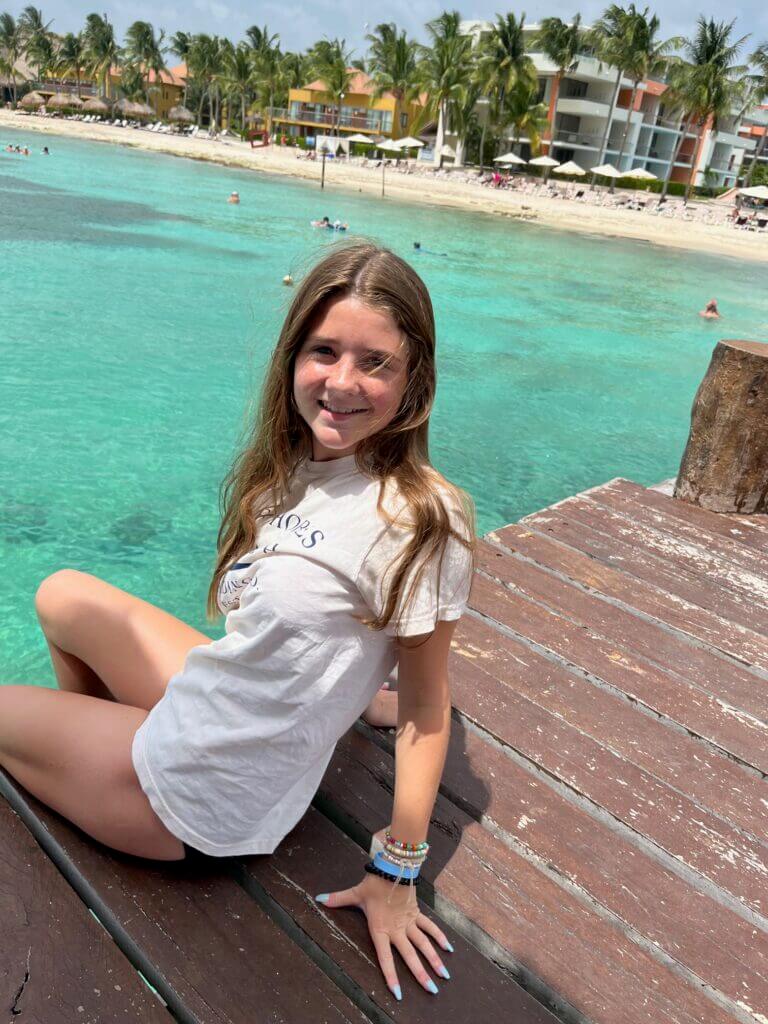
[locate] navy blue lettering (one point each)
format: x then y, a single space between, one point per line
313 538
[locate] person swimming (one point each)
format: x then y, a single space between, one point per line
234 197
326 222
418 247
710 311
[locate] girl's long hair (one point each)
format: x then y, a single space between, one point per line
258 482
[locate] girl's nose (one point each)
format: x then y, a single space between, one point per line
342 375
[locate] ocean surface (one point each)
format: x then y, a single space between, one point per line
138 311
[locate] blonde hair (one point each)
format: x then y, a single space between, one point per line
258 482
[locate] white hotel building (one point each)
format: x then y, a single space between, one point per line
579 112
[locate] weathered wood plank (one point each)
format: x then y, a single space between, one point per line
618 498
693 558
700 713
205 941
687 926
513 670
720 677
317 857
57 964
750 531
687 618
575 527
553 940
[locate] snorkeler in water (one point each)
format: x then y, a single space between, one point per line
418 247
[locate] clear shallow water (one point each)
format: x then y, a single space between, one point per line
138 310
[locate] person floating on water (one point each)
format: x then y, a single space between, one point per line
342 555
45 151
234 197
326 222
418 247
710 311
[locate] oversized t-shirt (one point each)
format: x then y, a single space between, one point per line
233 753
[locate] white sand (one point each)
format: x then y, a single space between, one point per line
555 213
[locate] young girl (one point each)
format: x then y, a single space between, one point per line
342 555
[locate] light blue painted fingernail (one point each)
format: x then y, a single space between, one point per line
432 987
397 992
448 946
322 898
444 972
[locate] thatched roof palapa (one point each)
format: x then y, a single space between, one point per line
94 105
64 101
181 115
32 101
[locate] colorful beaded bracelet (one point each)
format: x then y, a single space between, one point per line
405 854
371 868
409 847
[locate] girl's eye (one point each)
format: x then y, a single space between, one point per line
377 362
323 350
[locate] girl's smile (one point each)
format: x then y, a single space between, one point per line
350 376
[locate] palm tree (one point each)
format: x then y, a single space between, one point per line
393 62
237 77
101 49
503 65
11 48
206 66
146 51
271 75
260 40
704 86
445 73
181 43
38 40
525 115
611 38
646 56
562 43
330 62
70 57
760 59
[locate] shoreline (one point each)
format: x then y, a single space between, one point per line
564 215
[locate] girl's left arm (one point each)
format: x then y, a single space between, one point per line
423 729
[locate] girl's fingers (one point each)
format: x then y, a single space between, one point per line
422 943
386 962
343 898
408 953
431 929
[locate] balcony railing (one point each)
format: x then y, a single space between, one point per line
362 122
590 139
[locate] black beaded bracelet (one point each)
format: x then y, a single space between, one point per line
371 868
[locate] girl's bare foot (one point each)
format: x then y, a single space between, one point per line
382 711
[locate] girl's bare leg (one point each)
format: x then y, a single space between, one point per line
382 711
73 752
107 643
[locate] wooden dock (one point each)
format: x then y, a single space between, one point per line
598 846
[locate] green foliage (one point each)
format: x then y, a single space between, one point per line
760 175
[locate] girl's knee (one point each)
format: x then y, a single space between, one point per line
57 594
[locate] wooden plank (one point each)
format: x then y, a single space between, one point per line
678 525
691 927
317 857
710 629
57 964
695 559
512 671
683 703
720 677
575 527
210 951
549 937
748 531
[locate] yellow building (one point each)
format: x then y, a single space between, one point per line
312 111
169 92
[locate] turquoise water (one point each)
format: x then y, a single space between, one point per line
138 310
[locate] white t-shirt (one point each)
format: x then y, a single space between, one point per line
233 753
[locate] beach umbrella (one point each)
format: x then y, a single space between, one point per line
756 192
32 101
64 101
144 112
606 171
448 151
640 173
410 142
362 140
546 162
95 106
509 158
180 115
569 168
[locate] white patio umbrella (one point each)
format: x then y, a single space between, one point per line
448 151
546 162
410 142
509 158
640 173
363 140
756 192
388 146
569 168
606 171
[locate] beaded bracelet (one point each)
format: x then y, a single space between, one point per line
371 868
417 848
405 854
401 862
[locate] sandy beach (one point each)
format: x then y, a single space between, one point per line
556 213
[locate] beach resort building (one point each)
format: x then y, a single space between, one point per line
313 112
581 108
165 93
754 125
